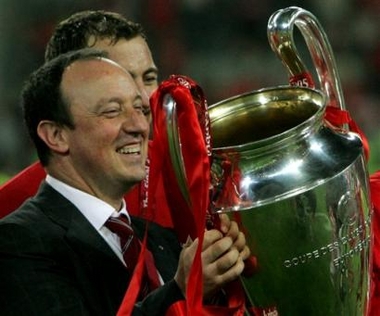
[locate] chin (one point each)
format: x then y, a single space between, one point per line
138 176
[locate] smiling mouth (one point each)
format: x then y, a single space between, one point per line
130 150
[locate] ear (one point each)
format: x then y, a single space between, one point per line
53 136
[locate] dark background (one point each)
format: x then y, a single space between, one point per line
221 44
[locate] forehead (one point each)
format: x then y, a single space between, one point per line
86 75
133 54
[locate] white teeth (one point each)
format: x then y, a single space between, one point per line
129 150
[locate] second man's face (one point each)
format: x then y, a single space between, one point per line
135 56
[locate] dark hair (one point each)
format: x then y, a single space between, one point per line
41 97
74 33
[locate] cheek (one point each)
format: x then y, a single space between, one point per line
95 135
99 127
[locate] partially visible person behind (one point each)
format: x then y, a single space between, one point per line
58 256
124 40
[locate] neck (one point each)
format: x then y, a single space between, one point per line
105 191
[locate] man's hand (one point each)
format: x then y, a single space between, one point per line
231 229
223 253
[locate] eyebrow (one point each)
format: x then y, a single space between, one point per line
104 101
151 69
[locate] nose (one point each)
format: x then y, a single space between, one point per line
145 95
145 92
145 98
136 122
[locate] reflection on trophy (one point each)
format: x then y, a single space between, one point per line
296 183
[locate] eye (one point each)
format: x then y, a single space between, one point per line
111 110
150 79
146 110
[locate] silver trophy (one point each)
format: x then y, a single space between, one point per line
297 185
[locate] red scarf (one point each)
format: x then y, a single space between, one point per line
189 206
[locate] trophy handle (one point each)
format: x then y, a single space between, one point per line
280 36
174 143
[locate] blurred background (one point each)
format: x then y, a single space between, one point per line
221 44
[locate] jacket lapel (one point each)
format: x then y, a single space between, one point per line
80 234
98 270
91 249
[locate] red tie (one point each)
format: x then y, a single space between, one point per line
130 248
129 244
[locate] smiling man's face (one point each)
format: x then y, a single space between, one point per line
108 146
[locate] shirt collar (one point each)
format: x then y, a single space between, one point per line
95 210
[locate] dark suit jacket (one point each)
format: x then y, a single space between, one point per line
53 262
